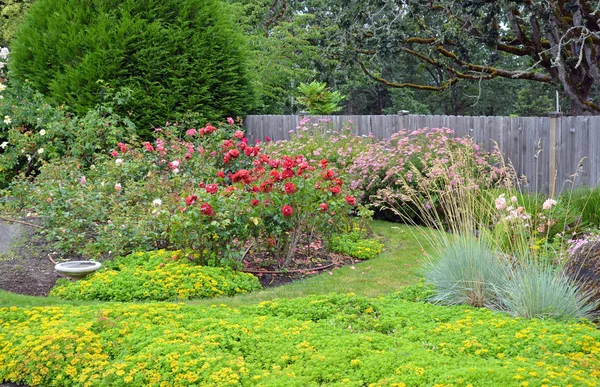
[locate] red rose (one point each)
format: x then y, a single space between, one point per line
287 173
234 153
148 146
287 210
351 200
190 200
202 185
114 153
206 209
289 188
335 190
328 174
123 147
275 174
209 128
288 162
238 134
221 174
324 207
212 188
266 186
255 202
323 163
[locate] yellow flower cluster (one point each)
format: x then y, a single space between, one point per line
326 340
157 275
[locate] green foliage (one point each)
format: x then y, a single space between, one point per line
405 99
420 292
584 202
174 56
466 272
156 276
340 340
33 132
316 98
542 291
534 100
12 13
356 244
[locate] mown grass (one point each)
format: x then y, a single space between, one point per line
399 265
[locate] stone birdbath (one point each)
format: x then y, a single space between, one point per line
77 270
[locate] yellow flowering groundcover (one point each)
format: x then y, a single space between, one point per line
157 276
336 340
356 244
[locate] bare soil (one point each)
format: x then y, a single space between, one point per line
26 266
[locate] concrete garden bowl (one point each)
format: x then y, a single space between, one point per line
77 270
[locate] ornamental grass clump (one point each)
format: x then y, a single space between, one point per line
466 272
540 290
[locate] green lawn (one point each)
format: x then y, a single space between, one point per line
397 266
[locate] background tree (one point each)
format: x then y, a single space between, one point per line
552 42
175 55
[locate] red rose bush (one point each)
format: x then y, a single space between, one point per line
209 191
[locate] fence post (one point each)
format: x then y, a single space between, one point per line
403 114
552 144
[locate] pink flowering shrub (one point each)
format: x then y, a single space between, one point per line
209 191
319 140
425 159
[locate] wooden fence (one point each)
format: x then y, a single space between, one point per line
547 150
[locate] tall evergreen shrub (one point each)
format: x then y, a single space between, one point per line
176 56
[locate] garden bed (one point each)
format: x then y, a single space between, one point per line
27 268
320 340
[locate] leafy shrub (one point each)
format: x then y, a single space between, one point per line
13 12
318 99
33 132
541 290
466 272
396 343
425 160
156 276
210 192
356 245
175 56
